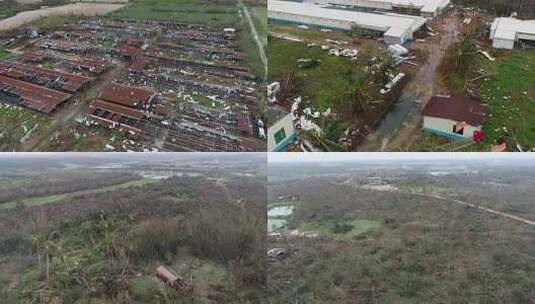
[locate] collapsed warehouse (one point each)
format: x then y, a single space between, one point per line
162 85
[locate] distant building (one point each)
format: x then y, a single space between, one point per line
395 28
281 133
454 117
425 8
507 32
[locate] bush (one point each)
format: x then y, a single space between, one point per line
155 239
342 228
223 233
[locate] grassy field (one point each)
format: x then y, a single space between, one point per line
510 95
259 15
11 8
22 121
187 11
340 229
4 54
39 201
326 81
323 83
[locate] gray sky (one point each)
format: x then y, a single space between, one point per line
363 156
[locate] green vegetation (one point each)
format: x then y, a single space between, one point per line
340 229
39 201
207 102
259 15
20 121
4 53
510 95
391 247
187 11
506 86
324 83
12 7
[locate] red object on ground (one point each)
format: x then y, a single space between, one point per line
477 136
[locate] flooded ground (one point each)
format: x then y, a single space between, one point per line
83 9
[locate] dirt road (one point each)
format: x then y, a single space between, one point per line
85 9
484 209
257 39
421 86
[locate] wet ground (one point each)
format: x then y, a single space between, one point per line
402 124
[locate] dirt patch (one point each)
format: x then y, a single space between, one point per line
84 9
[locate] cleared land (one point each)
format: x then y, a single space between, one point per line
83 9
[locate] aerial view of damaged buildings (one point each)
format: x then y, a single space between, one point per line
147 85
396 25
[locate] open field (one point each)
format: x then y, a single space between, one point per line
83 9
335 72
38 201
187 11
510 95
412 243
104 245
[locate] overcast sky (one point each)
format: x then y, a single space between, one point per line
363 156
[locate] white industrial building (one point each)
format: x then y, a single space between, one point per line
506 32
424 8
396 29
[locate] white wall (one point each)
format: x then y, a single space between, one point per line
446 125
503 44
287 123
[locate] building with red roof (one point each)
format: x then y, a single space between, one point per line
454 117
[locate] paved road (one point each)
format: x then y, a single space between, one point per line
257 39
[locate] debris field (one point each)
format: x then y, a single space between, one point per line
164 86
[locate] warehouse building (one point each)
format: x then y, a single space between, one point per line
454 117
508 32
120 107
396 29
425 8
32 96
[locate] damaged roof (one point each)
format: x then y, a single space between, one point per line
33 96
125 95
68 82
457 108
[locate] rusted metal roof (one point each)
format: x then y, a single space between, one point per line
113 108
125 95
457 108
45 77
33 96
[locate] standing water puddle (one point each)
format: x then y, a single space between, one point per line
278 216
396 116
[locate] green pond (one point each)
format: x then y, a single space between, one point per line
278 216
